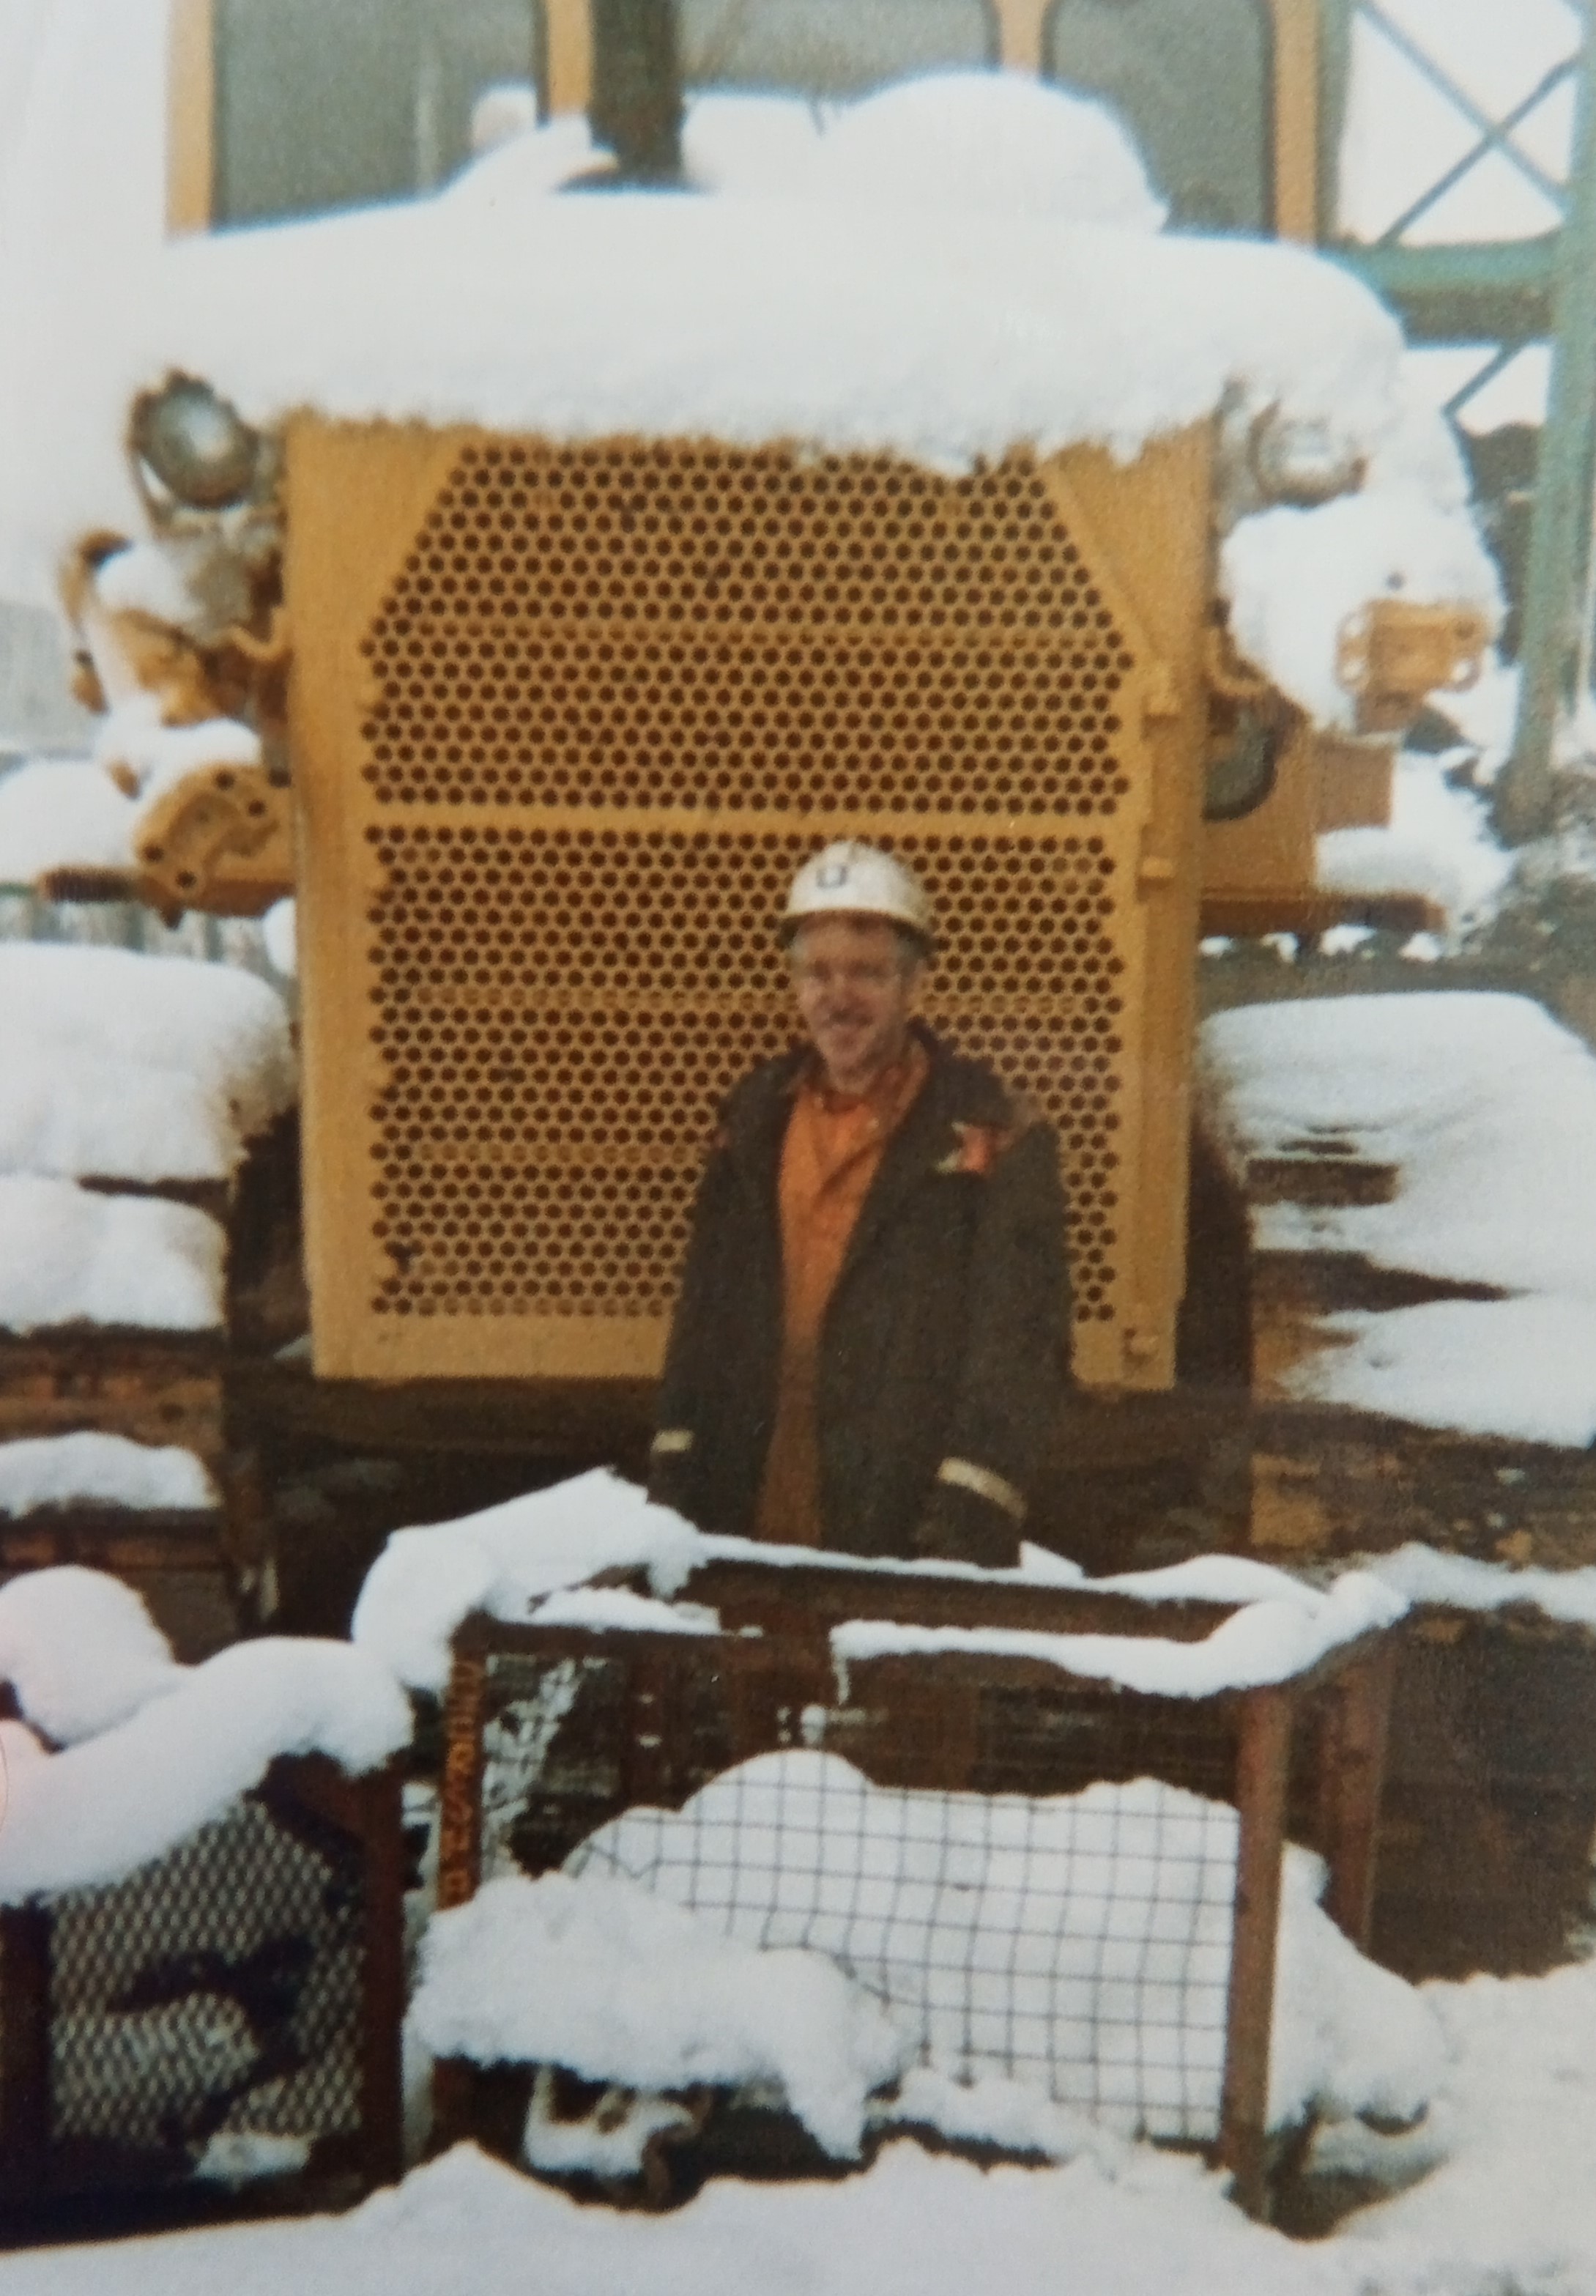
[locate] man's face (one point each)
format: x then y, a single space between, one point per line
856 980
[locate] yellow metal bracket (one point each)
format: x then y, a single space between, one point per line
1391 655
220 840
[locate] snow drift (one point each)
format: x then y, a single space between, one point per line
154 1749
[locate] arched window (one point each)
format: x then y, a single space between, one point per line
1191 80
331 103
828 47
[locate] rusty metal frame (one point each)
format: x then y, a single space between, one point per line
1343 1704
368 1809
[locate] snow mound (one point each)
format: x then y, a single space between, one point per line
946 337
46 1471
68 1115
216 1031
530 1558
1292 576
1500 2176
1439 843
117 1798
61 814
80 1652
1521 1369
747 144
1101 1919
940 2227
68 1257
1268 1640
985 143
1463 1582
1488 1109
134 740
504 1561
1485 1103
615 1983
1000 143
523 167
280 932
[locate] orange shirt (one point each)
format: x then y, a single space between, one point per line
832 1150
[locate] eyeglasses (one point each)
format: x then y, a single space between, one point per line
854 973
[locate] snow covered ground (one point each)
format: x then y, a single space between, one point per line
1507 2208
1488 1109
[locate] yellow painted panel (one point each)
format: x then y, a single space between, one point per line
565 720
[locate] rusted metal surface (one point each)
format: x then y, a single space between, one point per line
1262 1767
266 1951
24 2044
809 1598
645 1721
1352 1770
460 1794
1490 1799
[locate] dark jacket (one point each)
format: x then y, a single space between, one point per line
943 1352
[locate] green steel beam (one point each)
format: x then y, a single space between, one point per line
1560 539
1395 233
1494 132
1500 291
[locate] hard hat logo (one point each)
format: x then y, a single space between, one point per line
851 879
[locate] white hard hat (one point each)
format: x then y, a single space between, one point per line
854 880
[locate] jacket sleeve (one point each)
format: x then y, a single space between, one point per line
1016 1360
690 1352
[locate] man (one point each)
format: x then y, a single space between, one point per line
871 1342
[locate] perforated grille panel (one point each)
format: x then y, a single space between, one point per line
644 627
611 697
538 1151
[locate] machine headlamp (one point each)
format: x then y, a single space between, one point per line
198 446
1302 462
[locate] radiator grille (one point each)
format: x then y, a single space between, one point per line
573 743
639 625
537 1153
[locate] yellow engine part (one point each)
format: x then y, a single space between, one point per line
1391 654
564 723
220 840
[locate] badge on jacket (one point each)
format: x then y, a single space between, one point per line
979 1148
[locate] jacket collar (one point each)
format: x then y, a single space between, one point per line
913 1149
956 1092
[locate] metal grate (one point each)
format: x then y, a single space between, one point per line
231 2008
1059 1913
1066 1883
566 720
639 627
1079 1944
660 624
537 1152
216 1989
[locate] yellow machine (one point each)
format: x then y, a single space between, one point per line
562 720
565 721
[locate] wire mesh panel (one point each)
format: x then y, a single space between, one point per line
1037 1875
214 2009
561 741
1078 1943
